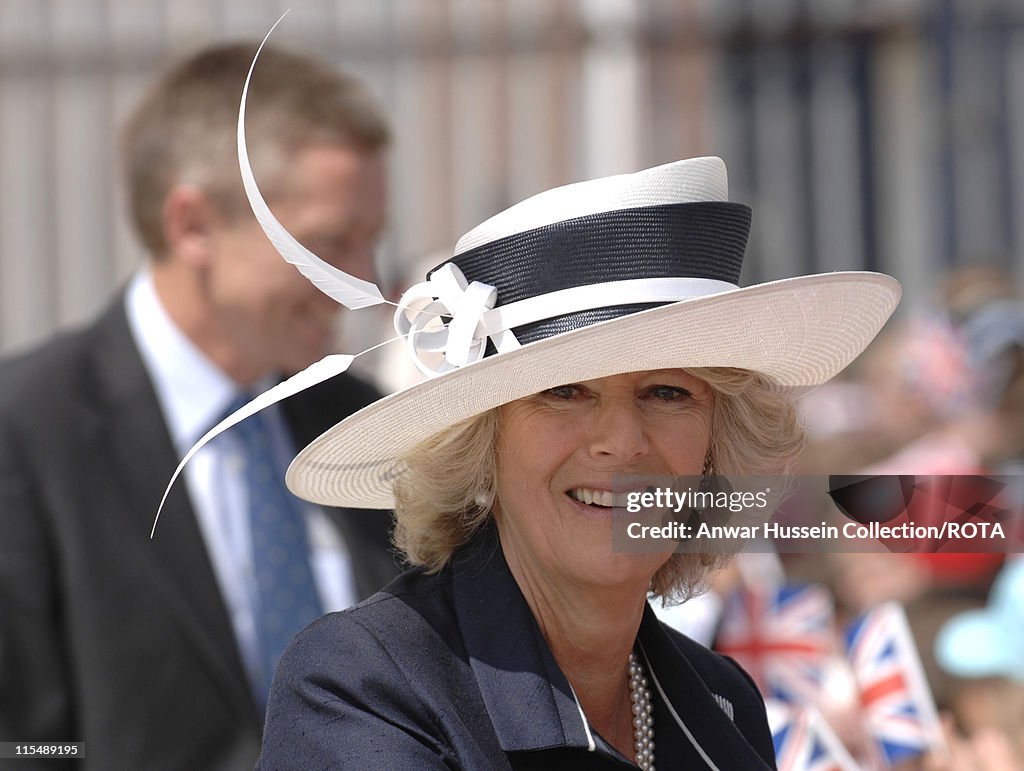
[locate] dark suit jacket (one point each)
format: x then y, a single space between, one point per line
106 636
451 671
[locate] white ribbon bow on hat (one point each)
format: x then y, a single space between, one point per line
419 319
437 346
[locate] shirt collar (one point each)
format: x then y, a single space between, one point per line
193 392
518 675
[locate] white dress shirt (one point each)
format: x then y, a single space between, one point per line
193 395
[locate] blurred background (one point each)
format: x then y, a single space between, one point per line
865 134
869 134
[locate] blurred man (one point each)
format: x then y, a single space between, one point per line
154 652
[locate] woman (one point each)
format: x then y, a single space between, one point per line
593 331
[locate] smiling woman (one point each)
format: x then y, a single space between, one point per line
445 495
591 331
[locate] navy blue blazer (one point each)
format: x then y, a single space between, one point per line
451 671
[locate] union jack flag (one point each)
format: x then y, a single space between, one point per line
896 704
804 742
934 364
782 636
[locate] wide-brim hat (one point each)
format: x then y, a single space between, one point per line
620 274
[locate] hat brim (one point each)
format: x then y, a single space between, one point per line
799 332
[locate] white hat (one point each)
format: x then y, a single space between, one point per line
621 274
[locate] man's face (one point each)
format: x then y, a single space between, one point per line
333 201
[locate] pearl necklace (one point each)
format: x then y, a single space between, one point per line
643 717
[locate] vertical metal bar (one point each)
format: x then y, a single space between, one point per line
863 57
614 108
1007 191
804 63
82 153
27 245
744 117
945 37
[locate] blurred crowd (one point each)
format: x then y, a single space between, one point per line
940 392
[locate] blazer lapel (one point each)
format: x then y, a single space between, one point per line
705 718
144 454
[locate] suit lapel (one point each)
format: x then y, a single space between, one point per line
145 458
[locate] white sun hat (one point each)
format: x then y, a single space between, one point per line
620 274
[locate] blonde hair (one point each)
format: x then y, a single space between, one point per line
183 130
444 495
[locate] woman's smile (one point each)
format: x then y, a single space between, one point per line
561 453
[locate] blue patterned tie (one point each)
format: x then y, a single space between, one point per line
285 590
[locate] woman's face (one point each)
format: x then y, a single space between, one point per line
555 448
